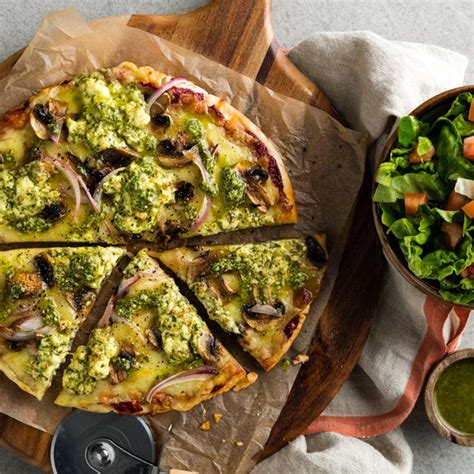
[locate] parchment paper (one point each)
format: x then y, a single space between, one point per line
325 162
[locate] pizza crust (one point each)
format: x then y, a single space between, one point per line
102 402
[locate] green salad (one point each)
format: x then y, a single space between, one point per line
425 192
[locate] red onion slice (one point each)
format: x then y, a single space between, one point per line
20 311
118 319
77 183
98 192
125 286
199 374
94 205
29 324
17 336
162 89
73 181
55 138
203 212
104 320
199 163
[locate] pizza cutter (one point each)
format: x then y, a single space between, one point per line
105 443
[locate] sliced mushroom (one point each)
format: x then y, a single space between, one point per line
161 120
230 283
152 338
208 347
47 119
178 146
170 230
258 316
184 191
198 266
53 212
257 173
80 298
213 284
168 162
177 159
97 175
118 373
24 284
44 268
315 252
258 195
159 106
118 157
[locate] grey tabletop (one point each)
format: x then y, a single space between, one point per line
446 23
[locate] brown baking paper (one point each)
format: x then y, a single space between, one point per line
325 162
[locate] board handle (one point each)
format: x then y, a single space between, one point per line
235 33
238 34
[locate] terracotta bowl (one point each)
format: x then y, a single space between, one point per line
430 404
427 111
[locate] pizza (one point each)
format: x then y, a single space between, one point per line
260 292
45 295
151 352
125 155
130 153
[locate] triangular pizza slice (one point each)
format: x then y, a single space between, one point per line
151 352
260 292
45 295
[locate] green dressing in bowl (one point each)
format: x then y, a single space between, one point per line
454 396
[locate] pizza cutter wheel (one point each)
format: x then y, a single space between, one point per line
104 443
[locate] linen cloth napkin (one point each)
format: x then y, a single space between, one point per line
371 81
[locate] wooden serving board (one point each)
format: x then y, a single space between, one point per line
241 37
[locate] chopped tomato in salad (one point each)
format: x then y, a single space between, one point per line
425 193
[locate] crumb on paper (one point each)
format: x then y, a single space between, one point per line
217 417
205 425
300 359
285 364
245 382
239 443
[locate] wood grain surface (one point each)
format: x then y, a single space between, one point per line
241 37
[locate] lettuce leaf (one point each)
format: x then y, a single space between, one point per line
460 104
409 130
430 184
463 126
423 146
451 162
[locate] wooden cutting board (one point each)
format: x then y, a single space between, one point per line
239 34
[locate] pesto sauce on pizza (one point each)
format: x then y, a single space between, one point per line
172 317
175 319
183 165
112 115
77 268
262 273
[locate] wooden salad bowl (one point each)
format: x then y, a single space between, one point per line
428 110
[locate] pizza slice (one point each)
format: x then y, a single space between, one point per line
131 153
150 353
45 295
260 292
